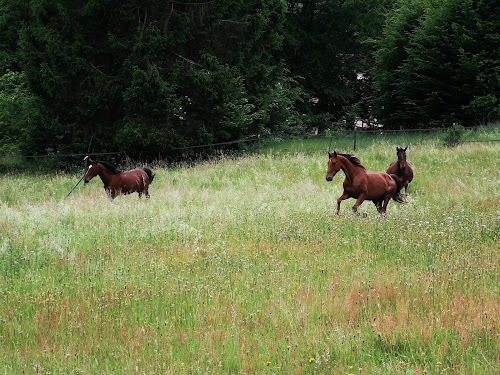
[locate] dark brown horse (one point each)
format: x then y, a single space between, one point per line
379 187
401 168
117 182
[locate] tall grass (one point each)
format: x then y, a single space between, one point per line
241 266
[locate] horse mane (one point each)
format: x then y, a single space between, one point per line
110 167
354 160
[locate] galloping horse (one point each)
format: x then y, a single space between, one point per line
401 168
117 182
379 187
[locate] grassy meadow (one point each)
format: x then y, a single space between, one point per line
240 265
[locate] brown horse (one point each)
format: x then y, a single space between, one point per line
117 182
379 187
401 168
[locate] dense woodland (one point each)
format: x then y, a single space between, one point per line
155 76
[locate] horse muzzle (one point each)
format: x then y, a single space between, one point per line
86 181
329 178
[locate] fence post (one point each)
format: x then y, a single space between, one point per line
258 137
355 135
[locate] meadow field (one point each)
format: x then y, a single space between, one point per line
240 265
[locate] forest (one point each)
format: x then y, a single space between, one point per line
149 77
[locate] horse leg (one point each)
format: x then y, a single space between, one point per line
342 197
115 192
360 200
146 193
387 198
145 187
110 193
378 204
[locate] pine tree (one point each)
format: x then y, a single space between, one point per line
152 76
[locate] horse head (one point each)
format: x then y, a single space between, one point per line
333 165
92 171
401 152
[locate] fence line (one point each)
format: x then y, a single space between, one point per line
60 155
346 132
478 141
216 144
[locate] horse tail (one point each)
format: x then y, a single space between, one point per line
150 174
397 195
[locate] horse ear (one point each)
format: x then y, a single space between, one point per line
406 148
335 153
397 149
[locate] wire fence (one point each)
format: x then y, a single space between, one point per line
354 139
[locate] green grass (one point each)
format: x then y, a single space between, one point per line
241 266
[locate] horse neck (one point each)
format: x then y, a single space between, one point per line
350 170
105 175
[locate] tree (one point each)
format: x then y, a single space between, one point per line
327 44
439 64
448 56
20 115
392 52
152 76
12 19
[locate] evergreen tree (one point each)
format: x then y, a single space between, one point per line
389 102
13 17
439 64
447 60
154 75
20 115
327 45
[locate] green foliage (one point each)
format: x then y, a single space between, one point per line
13 17
392 52
439 64
326 43
19 114
483 108
148 78
453 136
152 78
